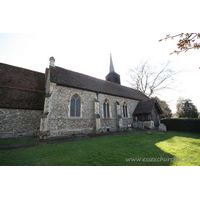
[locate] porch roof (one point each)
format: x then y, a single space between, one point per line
145 107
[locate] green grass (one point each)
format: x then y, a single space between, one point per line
33 139
111 151
17 141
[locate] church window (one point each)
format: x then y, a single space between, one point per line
106 109
125 113
75 106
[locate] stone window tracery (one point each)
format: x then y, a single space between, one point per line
106 109
125 113
75 106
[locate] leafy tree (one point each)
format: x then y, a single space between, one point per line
186 109
187 41
151 80
165 108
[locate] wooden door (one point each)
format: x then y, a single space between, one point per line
155 119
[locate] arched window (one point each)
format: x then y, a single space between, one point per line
75 106
106 109
125 113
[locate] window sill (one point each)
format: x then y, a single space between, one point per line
75 118
106 118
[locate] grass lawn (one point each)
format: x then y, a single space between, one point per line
156 149
18 141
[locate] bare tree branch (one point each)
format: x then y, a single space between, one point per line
149 81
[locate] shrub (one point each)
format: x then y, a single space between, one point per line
186 109
190 125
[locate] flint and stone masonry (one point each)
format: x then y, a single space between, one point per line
56 120
19 122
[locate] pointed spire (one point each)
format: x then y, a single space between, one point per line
113 76
111 64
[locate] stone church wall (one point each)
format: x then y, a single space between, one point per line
60 123
19 122
112 124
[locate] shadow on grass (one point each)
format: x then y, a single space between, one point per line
118 150
142 149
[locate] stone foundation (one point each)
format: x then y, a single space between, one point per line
144 125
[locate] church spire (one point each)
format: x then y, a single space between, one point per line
113 76
111 64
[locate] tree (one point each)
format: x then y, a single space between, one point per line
151 80
188 41
165 108
186 109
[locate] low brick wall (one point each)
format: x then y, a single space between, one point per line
19 122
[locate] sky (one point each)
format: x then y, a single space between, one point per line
82 34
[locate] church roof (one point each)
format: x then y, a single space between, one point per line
145 107
18 77
73 79
21 88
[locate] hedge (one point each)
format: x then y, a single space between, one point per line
190 125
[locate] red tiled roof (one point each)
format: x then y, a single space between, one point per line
21 88
21 99
11 76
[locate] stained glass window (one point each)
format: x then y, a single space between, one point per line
72 107
106 109
108 115
75 106
125 113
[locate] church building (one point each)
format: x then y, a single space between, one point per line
63 103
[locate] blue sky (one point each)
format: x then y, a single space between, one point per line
82 34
